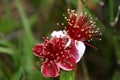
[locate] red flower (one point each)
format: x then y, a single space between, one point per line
78 47
66 48
81 29
56 55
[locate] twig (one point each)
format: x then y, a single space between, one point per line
83 2
85 72
111 10
116 18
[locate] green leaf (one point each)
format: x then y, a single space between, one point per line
97 21
116 75
5 43
17 75
67 75
4 75
6 50
6 25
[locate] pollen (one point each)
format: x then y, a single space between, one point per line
62 23
58 24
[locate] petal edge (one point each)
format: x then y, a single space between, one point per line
50 69
81 48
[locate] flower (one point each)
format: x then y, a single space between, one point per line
56 55
77 49
80 28
65 48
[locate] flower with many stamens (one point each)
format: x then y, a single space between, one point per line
77 49
80 28
65 48
56 55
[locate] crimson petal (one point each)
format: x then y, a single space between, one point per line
50 69
38 50
67 63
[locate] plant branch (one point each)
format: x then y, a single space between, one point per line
83 2
85 72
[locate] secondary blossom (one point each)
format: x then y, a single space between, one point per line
80 28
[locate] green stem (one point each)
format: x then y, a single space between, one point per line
85 72
111 11
83 2
28 40
24 19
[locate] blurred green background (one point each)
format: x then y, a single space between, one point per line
24 22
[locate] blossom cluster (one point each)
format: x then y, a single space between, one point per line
66 47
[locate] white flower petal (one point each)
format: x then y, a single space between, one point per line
64 68
64 32
81 49
57 34
68 43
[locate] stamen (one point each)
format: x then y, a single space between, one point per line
90 45
58 24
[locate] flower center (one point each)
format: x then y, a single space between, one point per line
55 49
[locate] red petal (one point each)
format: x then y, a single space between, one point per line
38 50
67 63
50 69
